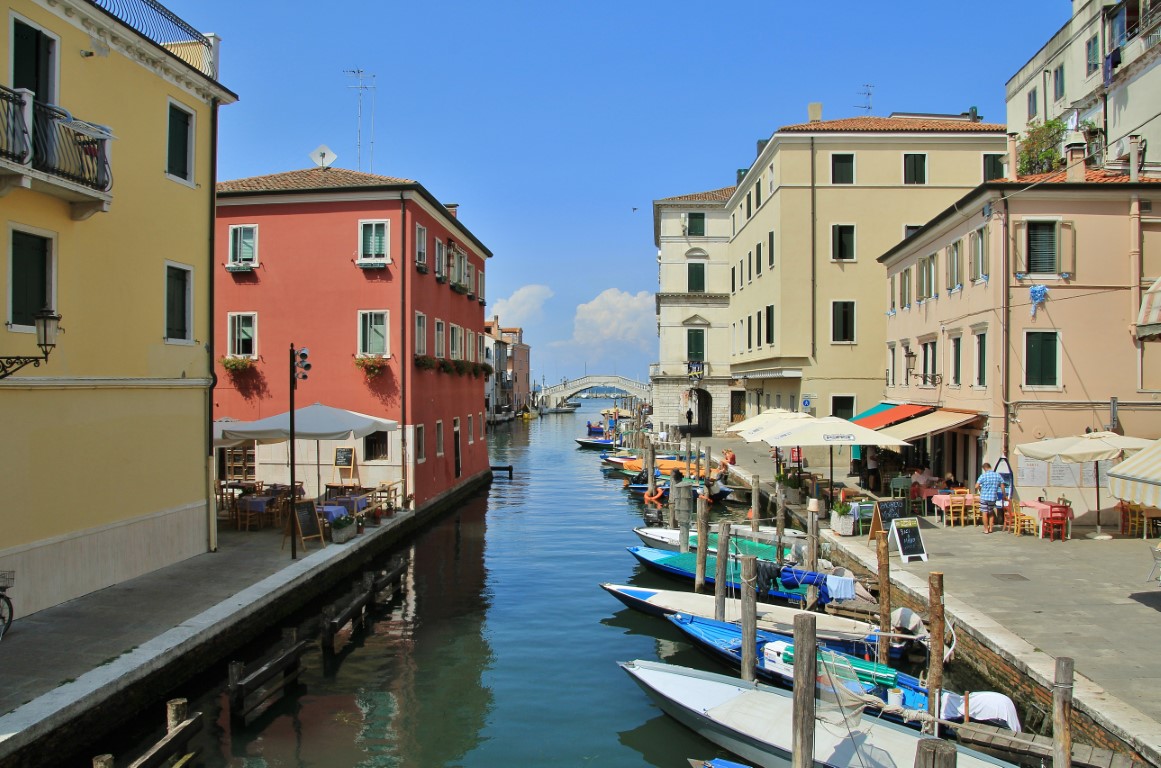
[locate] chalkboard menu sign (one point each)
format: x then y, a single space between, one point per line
886 511
306 521
905 533
345 457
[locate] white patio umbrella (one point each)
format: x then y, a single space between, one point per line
831 431
1080 449
774 425
761 420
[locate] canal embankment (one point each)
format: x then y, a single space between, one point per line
1019 602
76 671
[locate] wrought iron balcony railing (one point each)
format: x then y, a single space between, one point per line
14 137
159 24
69 148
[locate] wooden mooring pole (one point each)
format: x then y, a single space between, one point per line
755 504
1062 714
811 550
720 564
750 616
935 646
935 753
779 520
650 469
805 680
702 544
884 597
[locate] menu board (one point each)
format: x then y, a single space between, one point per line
905 533
345 457
1059 474
306 520
1031 472
886 511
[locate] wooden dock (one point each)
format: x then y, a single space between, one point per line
990 737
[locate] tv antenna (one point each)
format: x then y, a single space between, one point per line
867 93
360 86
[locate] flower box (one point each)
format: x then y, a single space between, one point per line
239 267
371 263
343 535
421 268
843 525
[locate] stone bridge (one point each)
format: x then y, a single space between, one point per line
557 393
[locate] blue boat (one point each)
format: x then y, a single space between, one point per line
683 565
596 443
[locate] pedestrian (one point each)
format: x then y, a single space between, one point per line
675 477
872 469
990 487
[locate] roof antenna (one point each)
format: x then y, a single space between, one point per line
360 86
867 94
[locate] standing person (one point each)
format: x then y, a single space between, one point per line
872 468
990 487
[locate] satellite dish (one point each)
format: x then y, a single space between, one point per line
323 157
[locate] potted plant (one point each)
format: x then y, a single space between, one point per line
462 366
843 518
425 362
237 364
343 529
371 366
446 366
791 488
460 288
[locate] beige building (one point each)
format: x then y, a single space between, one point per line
822 200
1017 312
519 367
1103 68
691 233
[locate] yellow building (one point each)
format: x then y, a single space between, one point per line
107 144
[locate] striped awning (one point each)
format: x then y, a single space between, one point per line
872 411
1149 318
931 423
1137 479
892 415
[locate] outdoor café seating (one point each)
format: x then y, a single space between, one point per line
1057 521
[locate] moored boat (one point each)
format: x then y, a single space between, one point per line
596 443
743 540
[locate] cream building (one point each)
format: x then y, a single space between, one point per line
691 233
822 200
1022 312
1103 67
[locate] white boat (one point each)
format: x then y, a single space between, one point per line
756 721
669 539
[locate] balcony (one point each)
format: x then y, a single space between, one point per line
44 148
160 25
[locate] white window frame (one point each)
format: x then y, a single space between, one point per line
50 289
469 276
471 430
421 244
420 333
854 323
386 257
420 444
854 401
1059 385
854 242
191 148
386 313
189 308
440 340
955 359
234 260
480 284
978 258
456 342
980 337
903 170
480 348
1033 103
232 335
954 265
439 438
482 424
440 258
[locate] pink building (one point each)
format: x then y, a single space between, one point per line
385 287
519 367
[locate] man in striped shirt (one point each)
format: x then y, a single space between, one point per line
990 487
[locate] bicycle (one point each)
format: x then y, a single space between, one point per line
6 580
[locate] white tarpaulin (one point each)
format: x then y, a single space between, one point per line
1138 479
314 422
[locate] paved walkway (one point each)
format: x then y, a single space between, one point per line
1038 600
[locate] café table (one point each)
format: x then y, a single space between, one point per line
353 504
330 511
252 505
1043 511
342 489
943 501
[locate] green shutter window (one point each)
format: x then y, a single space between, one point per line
914 169
695 226
30 256
374 240
842 242
842 169
696 272
695 344
1042 252
179 139
1040 360
770 249
981 359
758 262
769 323
176 303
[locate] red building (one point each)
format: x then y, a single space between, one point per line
385 287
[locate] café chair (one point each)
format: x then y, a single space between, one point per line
957 505
1155 574
1022 523
1136 520
1007 518
249 514
1056 521
973 503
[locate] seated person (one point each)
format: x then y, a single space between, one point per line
922 476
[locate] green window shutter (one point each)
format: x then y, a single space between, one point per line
770 249
769 323
1042 248
696 271
1040 362
695 344
374 240
1020 246
29 277
758 262
973 263
696 224
178 162
176 311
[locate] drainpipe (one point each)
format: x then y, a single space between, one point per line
1135 246
211 460
404 417
813 255
1005 332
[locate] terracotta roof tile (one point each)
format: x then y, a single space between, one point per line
1091 176
894 125
309 179
717 195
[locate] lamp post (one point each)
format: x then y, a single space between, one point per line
298 370
47 325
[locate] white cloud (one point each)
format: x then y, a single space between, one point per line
615 319
524 307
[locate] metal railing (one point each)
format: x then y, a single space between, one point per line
69 148
162 26
14 143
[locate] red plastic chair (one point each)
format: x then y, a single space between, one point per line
1057 520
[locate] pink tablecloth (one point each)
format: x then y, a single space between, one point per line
941 500
1043 509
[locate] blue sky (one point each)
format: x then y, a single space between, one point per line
550 122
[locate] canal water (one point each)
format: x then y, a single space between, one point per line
503 649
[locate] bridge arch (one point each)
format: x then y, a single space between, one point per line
558 393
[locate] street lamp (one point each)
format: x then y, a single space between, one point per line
47 325
298 370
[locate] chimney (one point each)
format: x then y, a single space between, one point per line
1074 151
814 111
742 174
1134 158
453 209
762 145
1013 157
974 115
